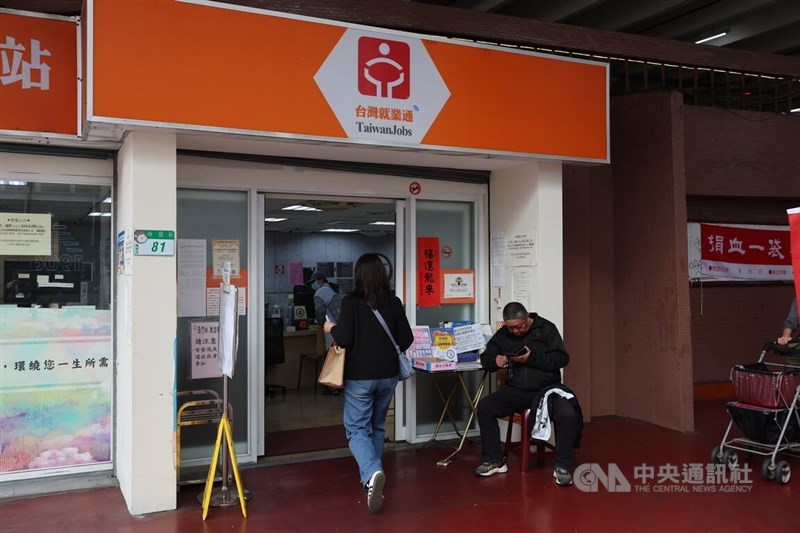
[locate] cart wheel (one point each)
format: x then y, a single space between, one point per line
783 472
716 457
768 469
730 459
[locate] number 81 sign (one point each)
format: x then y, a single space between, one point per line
153 242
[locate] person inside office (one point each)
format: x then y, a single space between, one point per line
327 305
531 350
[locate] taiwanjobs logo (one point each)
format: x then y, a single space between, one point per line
384 68
368 84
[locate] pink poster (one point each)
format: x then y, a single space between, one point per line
296 273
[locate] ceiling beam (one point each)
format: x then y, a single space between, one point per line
444 21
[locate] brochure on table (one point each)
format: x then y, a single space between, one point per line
454 342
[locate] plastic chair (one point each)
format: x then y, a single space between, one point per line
318 357
523 447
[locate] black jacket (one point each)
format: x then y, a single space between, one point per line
548 355
369 352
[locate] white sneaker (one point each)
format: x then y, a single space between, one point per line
375 492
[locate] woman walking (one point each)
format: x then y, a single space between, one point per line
371 367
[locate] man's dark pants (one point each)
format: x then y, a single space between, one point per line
509 400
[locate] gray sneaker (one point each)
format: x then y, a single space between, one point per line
489 469
562 477
375 492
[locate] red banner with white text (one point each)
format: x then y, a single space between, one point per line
745 252
428 285
794 229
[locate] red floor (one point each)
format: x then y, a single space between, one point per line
420 496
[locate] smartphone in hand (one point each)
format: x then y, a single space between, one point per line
520 351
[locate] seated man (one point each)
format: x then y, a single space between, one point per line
531 349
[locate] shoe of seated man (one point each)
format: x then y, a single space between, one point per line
562 476
375 492
490 469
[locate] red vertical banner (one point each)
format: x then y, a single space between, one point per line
428 284
794 230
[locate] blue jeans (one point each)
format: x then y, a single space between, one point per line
366 402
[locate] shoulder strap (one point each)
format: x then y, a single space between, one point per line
386 329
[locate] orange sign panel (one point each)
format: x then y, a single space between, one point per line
240 69
38 74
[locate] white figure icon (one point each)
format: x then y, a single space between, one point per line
384 88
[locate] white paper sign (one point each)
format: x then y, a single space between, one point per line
191 277
469 338
521 250
25 233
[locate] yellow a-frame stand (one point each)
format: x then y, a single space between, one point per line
228 343
224 429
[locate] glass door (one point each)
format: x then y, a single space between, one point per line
212 229
450 230
303 235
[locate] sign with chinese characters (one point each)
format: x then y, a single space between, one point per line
25 234
745 252
204 340
153 242
39 74
56 375
422 345
794 229
428 289
458 286
328 80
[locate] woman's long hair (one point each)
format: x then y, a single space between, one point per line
371 281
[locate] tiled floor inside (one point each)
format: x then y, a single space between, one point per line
324 495
300 409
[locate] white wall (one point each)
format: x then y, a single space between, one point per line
145 328
527 200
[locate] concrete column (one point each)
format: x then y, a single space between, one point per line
146 319
526 200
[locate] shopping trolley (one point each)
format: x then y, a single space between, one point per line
765 413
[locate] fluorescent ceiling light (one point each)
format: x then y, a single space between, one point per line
270 219
339 230
95 214
107 200
381 223
795 110
711 37
106 214
299 208
13 183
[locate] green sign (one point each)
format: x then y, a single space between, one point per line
153 242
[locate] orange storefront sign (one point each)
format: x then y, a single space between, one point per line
210 66
38 74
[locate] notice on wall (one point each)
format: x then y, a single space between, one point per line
522 286
521 250
205 350
223 250
497 248
26 234
191 277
